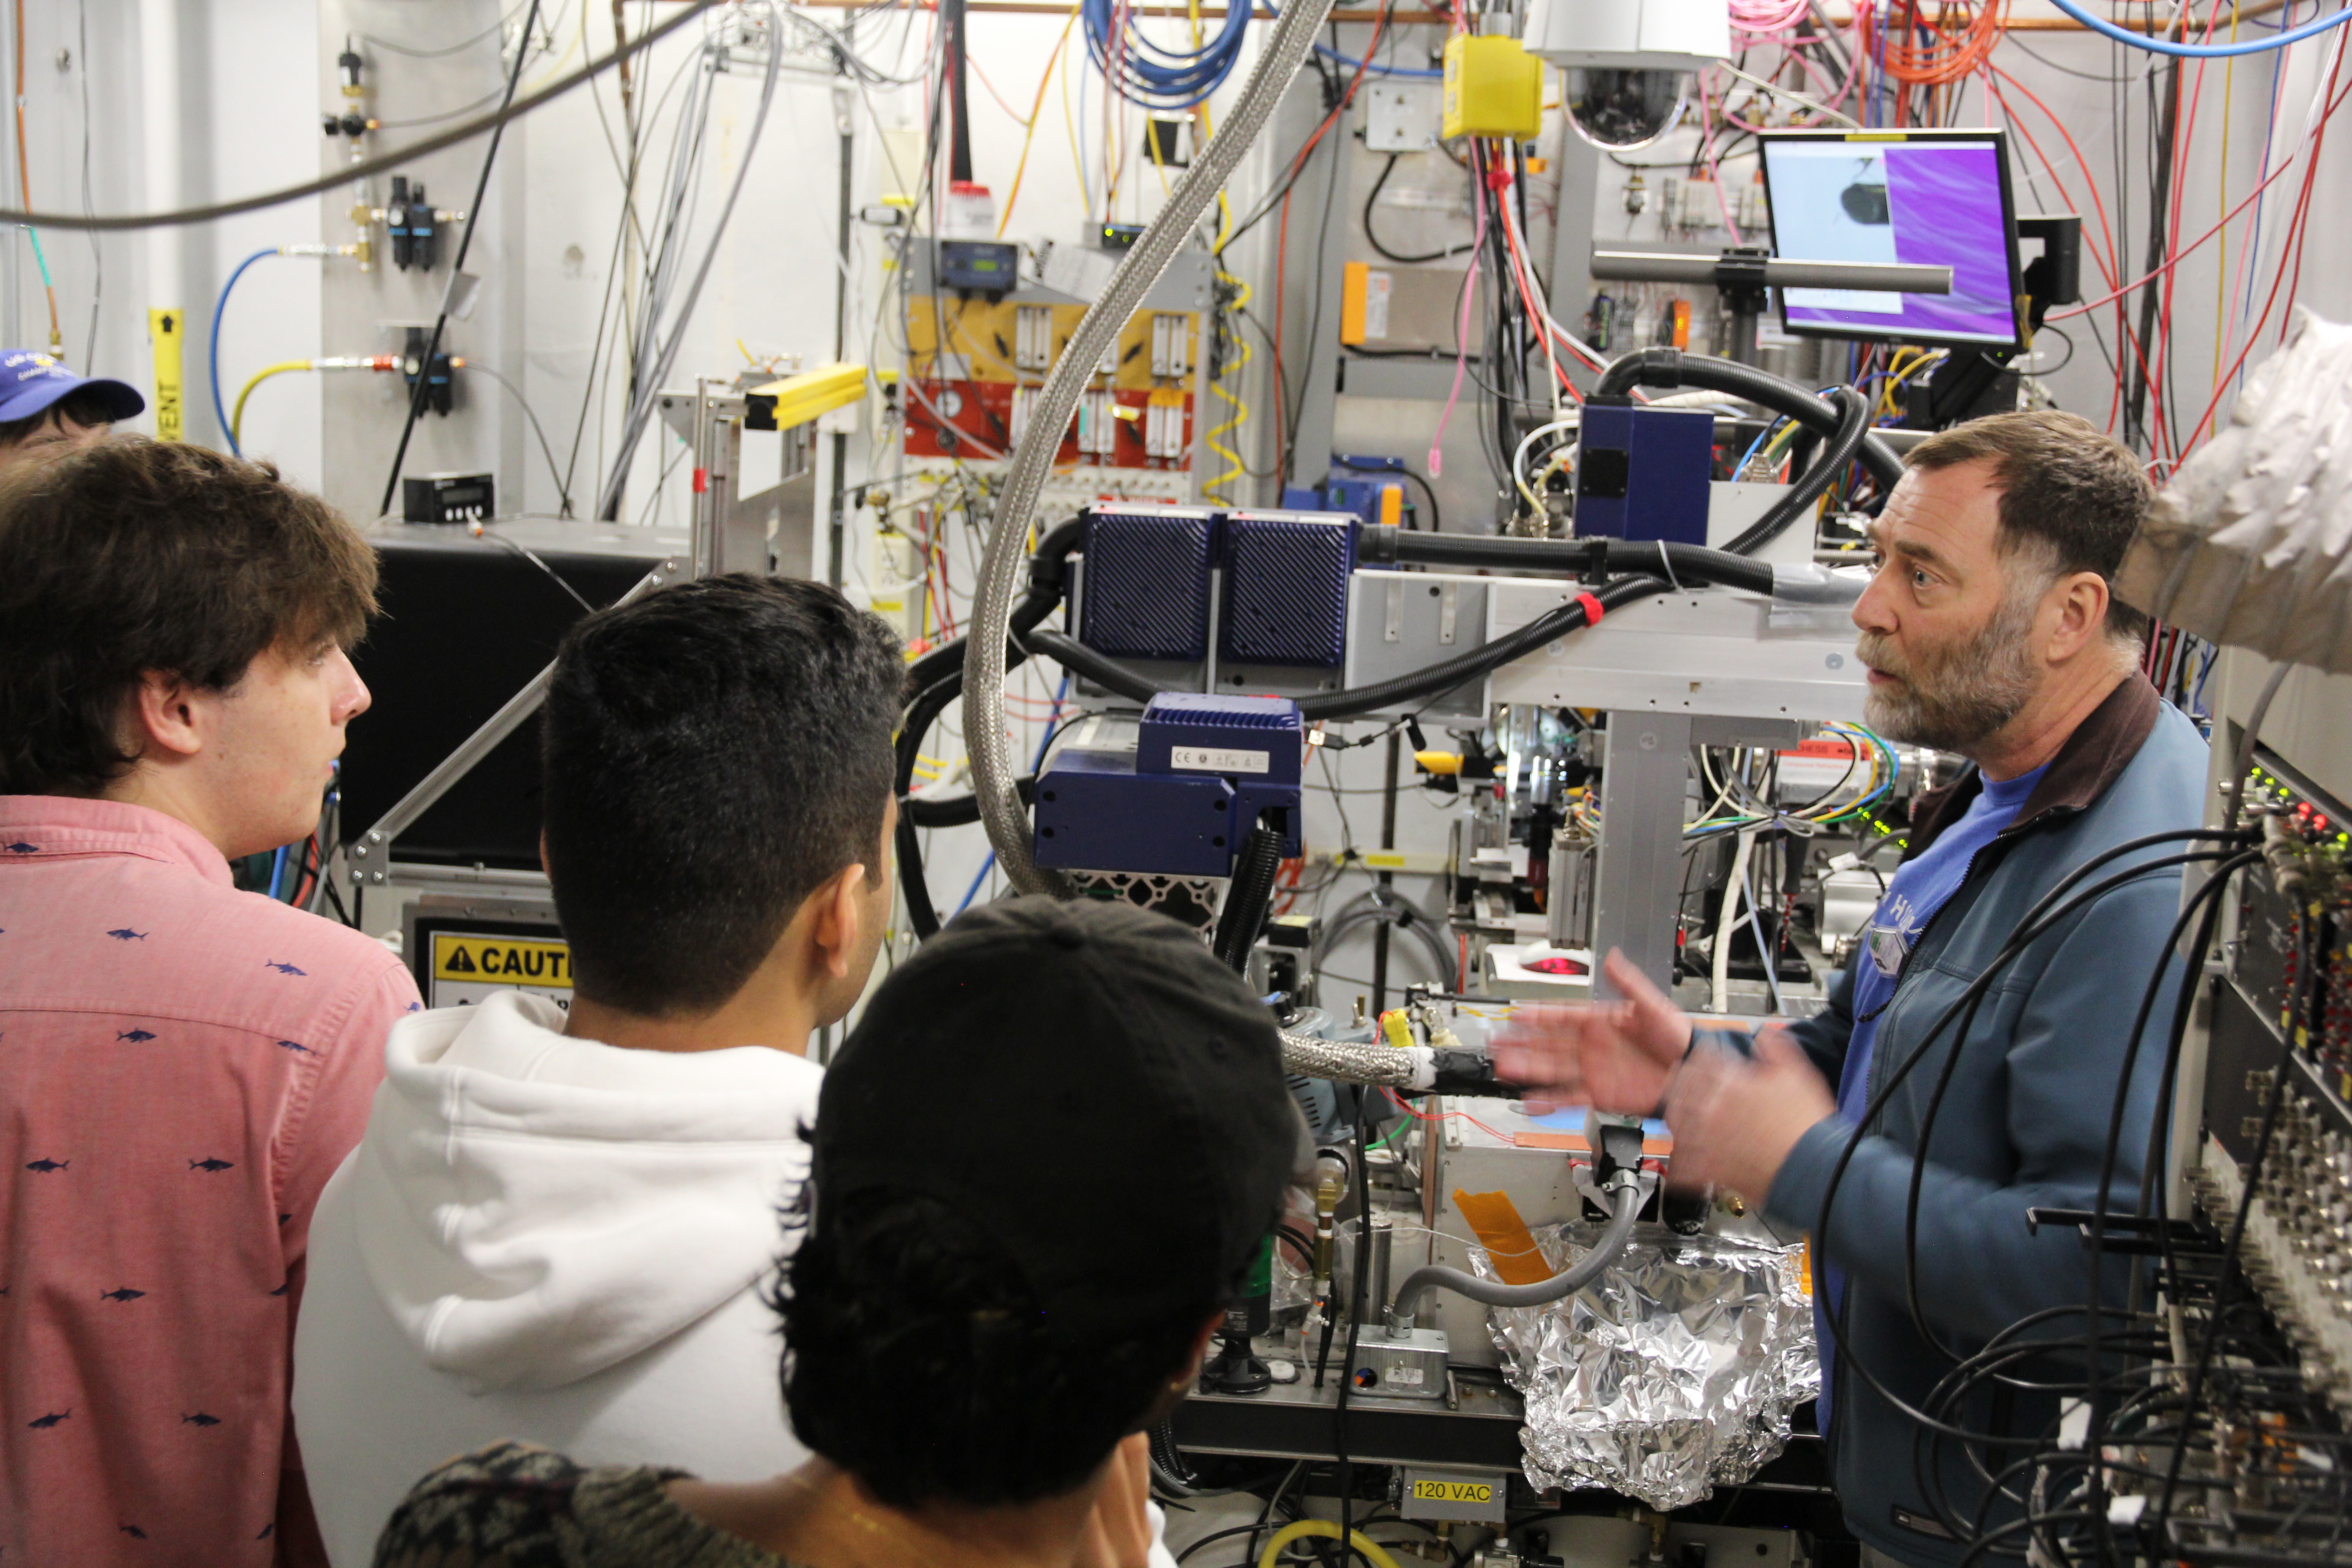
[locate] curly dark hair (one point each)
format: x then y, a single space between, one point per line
917 1361
135 555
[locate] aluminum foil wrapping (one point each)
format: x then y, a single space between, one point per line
1672 1374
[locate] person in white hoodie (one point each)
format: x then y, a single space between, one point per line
556 1225
1046 1162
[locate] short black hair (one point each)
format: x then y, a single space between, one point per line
84 406
918 1361
2068 490
134 555
713 752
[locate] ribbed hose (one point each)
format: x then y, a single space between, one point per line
1574 615
1248 897
921 714
1421 1282
1688 565
1672 368
1048 579
992 767
1443 676
1350 1061
1099 668
1852 430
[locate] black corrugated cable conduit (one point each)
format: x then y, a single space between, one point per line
1691 566
1847 443
1248 896
915 815
936 679
1432 682
1667 369
1049 571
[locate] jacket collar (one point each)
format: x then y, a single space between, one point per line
2102 746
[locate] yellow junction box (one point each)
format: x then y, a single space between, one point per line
1492 88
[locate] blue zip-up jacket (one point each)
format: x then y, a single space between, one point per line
2024 1121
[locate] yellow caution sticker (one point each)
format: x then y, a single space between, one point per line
1452 1491
501 960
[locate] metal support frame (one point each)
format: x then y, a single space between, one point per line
1744 278
1638 872
1570 285
772 532
734 533
371 852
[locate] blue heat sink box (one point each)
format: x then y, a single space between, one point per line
1177 800
1286 588
1643 473
1145 591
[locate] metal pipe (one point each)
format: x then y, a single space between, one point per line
1421 1282
993 765
375 844
1884 276
1350 1061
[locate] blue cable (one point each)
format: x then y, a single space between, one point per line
1038 762
1741 467
1156 76
973 891
1374 67
277 871
212 366
2106 28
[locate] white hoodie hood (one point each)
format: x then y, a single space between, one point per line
533 1209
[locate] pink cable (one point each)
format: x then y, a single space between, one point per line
1767 16
1714 173
1461 327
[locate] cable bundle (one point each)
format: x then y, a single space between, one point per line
1920 52
1150 74
1769 16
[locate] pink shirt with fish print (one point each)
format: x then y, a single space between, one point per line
182 1068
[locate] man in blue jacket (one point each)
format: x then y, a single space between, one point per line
1988 630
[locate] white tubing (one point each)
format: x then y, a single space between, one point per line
1727 917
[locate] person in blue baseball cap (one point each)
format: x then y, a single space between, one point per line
44 405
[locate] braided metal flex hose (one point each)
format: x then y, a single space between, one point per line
993 767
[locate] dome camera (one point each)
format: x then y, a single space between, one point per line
1624 109
1632 65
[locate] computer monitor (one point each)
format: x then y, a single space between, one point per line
1938 198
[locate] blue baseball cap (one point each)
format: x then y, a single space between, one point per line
31 381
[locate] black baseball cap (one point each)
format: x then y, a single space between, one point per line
1084 1084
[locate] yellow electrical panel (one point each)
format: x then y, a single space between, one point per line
1492 88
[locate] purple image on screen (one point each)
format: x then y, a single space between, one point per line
1945 209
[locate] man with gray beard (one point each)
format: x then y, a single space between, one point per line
1905 1133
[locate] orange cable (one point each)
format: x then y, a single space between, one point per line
24 178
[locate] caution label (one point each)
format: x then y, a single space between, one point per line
501 960
468 966
1452 1491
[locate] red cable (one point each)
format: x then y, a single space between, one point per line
2106 263
2296 228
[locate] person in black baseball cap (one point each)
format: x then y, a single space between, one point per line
44 405
1043 1163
